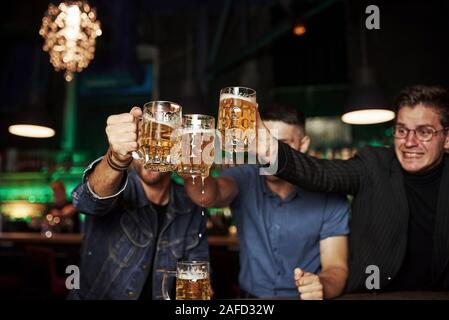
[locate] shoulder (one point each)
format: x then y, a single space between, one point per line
378 158
327 199
247 169
182 201
242 172
179 193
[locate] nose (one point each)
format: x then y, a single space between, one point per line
411 140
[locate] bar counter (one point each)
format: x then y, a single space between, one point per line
76 238
398 295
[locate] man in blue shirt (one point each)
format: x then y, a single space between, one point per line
282 227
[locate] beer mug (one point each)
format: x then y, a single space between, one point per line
197 145
158 136
192 281
237 118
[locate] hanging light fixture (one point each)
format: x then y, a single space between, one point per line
366 103
34 120
70 31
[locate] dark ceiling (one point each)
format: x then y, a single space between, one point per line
255 49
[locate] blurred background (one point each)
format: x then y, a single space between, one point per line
308 54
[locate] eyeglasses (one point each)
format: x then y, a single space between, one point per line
422 133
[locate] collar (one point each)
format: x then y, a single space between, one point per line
297 191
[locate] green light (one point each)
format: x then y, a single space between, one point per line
68 138
38 193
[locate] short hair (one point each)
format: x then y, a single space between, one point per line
433 96
284 113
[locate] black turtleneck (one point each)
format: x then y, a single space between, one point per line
422 195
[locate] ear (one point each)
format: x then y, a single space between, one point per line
446 141
305 143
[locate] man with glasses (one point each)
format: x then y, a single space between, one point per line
400 212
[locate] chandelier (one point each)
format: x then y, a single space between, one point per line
69 31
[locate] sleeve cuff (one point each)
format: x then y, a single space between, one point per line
91 192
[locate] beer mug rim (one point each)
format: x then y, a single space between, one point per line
160 102
251 92
192 263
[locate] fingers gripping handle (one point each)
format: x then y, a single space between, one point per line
138 155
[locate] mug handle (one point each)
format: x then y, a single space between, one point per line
137 155
165 276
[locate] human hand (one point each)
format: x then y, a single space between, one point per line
121 131
309 285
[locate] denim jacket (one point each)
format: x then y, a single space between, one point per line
119 239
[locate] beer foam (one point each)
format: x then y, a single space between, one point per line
192 276
235 96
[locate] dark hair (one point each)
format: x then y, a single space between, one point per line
284 113
433 96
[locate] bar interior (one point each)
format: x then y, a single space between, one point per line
71 71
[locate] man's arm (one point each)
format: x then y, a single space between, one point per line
122 137
342 176
218 192
85 200
334 265
334 271
96 195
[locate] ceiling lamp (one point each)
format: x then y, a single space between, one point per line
299 27
69 31
31 131
366 103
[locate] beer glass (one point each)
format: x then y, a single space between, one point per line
197 145
192 281
237 118
158 136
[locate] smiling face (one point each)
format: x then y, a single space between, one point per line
416 156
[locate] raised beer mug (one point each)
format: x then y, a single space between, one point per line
192 281
237 118
158 136
197 145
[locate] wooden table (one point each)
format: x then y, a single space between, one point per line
31 237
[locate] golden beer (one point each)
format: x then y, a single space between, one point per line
157 137
156 142
237 117
197 145
190 287
192 281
